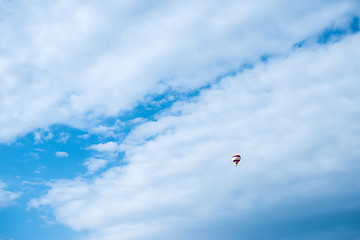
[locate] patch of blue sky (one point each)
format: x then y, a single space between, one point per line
60 151
27 164
155 104
35 154
355 24
234 72
20 224
265 57
146 110
192 94
332 33
32 160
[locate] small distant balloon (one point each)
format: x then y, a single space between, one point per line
236 159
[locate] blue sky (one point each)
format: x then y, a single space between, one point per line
118 119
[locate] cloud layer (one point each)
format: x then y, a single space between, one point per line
69 62
293 119
275 82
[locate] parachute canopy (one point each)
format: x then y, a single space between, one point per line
236 159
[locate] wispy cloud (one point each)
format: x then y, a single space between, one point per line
61 154
43 135
105 147
94 164
84 136
63 137
6 197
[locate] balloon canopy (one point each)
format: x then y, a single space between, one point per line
236 159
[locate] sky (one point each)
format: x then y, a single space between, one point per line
118 119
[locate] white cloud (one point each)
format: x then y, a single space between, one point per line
94 164
84 136
43 135
105 147
294 120
70 63
64 136
6 197
107 131
61 154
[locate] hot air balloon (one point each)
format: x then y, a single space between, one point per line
236 159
